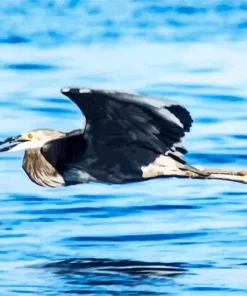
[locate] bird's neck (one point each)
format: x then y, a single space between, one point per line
39 170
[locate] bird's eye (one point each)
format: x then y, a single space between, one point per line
30 136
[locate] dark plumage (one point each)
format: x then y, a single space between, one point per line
123 132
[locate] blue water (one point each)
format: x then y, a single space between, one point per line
162 237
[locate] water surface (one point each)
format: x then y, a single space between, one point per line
161 237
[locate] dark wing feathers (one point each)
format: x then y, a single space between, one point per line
127 127
161 123
182 114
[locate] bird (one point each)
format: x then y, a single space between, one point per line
126 137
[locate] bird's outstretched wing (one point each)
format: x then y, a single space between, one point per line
157 124
130 127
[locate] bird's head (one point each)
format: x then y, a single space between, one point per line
30 140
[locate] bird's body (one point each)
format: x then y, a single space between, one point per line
126 138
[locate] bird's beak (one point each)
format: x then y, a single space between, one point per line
10 143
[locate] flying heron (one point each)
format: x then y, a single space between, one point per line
126 138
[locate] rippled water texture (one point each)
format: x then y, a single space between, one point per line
162 237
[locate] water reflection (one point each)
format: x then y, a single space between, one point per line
92 275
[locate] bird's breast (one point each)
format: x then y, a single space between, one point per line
40 171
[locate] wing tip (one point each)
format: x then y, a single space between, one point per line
183 115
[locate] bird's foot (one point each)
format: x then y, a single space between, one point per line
243 174
191 174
